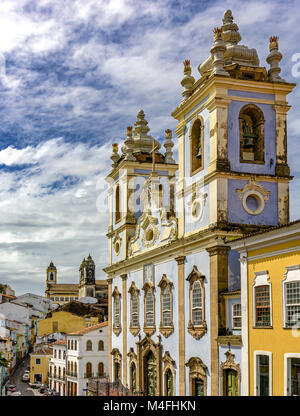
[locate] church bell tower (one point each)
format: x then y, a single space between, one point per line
87 282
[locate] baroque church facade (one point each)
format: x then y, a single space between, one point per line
88 286
174 285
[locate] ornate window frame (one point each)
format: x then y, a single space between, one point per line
116 328
229 364
200 165
197 331
166 284
149 287
117 359
133 290
132 360
169 364
197 370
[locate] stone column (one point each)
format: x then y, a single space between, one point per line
124 296
218 279
139 378
181 325
109 281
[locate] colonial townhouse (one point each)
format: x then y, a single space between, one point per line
57 367
87 357
270 300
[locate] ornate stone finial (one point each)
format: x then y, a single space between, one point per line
115 155
273 60
142 141
129 142
168 145
217 52
188 80
141 123
230 30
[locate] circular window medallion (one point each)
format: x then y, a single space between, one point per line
197 209
253 202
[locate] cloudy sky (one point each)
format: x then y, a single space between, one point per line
73 75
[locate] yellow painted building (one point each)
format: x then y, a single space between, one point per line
270 280
63 321
39 365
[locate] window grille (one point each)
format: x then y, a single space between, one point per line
134 310
117 311
149 309
197 303
236 315
292 303
262 306
166 307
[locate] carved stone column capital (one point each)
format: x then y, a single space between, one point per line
180 260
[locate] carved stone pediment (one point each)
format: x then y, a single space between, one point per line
194 275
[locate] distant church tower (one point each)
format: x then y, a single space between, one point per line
51 274
87 283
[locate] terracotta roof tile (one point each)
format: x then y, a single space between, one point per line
89 328
60 342
43 351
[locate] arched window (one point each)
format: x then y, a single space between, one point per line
64 355
134 311
196 146
149 309
252 146
166 307
72 345
54 353
72 368
133 378
68 344
55 371
196 304
75 369
116 311
169 382
100 345
100 370
51 276
197 326
89 345
59 354
134 326
59 372
88 370
75 345
118 210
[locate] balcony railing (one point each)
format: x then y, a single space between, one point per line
56 376
71 374
89 375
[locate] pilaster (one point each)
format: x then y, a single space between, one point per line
281 109
124 296
109 281
218 256
245 324
218 113
181 325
